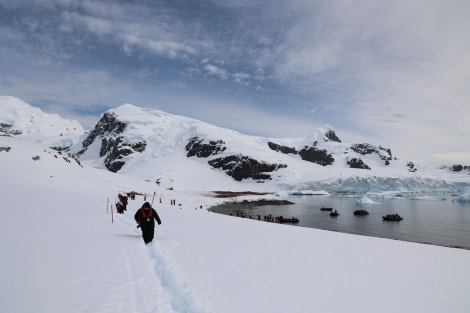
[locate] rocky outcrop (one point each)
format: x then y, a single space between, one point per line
282 149
238 167
116 150
459 168
358 163
411 167
366 148
456 168
5 130
330 135
310 154
196 147
109 130
242 167
315 155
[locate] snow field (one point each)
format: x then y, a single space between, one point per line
61 253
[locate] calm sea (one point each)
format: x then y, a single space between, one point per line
437 222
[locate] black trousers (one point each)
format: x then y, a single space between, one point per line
148 232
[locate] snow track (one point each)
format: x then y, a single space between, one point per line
152 283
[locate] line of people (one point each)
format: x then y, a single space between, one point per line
121 205
145 216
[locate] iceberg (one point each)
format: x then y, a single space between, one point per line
309 193
365 200
385 195
464 196
431 198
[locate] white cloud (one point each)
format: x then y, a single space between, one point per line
215 70
401 69
241 78
154 31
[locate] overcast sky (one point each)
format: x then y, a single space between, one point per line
391 73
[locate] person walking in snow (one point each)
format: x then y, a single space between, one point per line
145 218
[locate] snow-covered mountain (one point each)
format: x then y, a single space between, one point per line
172 150
19 119
64 250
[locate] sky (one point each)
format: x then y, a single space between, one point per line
391 73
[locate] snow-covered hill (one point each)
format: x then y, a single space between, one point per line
19 119
176 151
63 251
173 150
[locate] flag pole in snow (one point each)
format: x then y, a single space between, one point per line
112 216
151 204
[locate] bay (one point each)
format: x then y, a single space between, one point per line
427 220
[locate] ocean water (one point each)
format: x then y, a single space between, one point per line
430 221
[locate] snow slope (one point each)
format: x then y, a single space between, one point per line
165 159
60 252
33 124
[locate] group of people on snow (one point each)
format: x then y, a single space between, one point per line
145 216
121 205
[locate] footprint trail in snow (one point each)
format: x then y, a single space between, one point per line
151 275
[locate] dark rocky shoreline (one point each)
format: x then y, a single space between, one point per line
232 208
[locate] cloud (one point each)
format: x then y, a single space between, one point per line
217 71
241 78
388 71
395 63
152 34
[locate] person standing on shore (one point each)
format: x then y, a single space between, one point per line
145 218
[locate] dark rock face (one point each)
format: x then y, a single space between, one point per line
411 166
241 167
365 148
358 163
310 154
195 147
5 130
282 149
457 168
108 124
109 130
238 167
315 155
330 135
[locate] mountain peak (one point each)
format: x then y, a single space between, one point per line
128 139
20 119
174 151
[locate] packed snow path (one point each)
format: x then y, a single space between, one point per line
153 287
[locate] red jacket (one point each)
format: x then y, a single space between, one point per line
147 217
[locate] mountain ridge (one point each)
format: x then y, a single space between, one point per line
20 119
168 149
